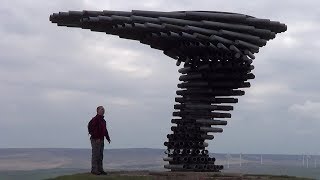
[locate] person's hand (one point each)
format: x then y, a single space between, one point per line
109 141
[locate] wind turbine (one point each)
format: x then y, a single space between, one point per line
228 156
308 157
315 159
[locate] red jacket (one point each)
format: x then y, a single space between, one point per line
97 128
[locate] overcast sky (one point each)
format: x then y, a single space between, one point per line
52 78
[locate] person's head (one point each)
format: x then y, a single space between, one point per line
100 110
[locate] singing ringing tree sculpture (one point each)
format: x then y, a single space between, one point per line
216 50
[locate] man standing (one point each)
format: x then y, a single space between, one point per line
98 130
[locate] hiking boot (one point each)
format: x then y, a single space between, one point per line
95 172
103 173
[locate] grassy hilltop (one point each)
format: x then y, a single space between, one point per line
145 175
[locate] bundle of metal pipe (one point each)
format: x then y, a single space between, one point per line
216 50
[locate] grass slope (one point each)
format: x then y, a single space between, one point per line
170 176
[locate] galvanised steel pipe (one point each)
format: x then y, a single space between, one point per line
216 51
211 122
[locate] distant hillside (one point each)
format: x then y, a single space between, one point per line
33 159
46 163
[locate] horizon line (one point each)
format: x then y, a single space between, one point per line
154 149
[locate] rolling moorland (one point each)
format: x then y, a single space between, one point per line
39 164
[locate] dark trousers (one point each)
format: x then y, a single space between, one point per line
97 155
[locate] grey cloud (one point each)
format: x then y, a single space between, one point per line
52 78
